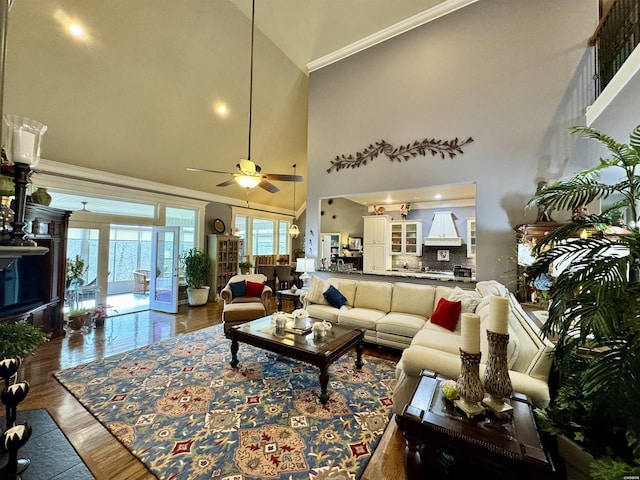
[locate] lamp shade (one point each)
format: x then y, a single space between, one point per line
248 181
294 231
305 265
23 137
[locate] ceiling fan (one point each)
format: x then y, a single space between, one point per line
249 174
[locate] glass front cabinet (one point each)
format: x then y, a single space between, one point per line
406 238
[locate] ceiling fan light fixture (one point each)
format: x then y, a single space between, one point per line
248 181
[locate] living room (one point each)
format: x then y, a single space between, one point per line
514 76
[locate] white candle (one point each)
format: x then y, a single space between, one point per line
498 315
470 332
23 147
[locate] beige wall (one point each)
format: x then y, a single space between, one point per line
512 74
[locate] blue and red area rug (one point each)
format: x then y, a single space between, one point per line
182 410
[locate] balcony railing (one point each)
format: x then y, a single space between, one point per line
617 35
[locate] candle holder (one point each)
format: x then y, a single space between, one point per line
497 382
23 137
469 385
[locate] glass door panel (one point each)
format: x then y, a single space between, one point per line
163 283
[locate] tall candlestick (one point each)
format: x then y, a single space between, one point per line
470 332
498 315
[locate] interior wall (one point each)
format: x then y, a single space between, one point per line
339 215
501 72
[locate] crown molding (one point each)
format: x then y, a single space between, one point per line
78 178
444 8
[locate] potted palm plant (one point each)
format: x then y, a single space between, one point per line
245 267
196 271
595 309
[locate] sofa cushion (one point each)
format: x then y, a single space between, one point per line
334 297
324 312
360 317
238 289
254 289
447 314
347 287
316 290
374 296
413 298
443 340
404 324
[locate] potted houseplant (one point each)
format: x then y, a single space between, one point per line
77 317
245 267
99 313
19 339
196 271
594 310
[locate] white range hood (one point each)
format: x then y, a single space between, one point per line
443 231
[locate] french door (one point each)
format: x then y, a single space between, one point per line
163 284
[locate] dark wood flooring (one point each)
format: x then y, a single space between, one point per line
105 457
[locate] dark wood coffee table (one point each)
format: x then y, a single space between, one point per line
320 353
443 442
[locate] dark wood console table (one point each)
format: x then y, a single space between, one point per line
443 443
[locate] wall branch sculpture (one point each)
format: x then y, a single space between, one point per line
401 153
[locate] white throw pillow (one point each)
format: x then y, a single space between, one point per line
492 287
468 302
468 299
316 290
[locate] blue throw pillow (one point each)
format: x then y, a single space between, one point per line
238 289
334 297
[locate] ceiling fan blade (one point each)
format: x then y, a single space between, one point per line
269 187
191 169
283 177
227 183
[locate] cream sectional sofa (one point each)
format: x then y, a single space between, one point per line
398 315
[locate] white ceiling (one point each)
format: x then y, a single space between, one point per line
134 97
438 195
307 30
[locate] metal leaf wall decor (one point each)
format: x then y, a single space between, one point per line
401 153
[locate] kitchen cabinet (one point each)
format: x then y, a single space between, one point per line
375 251
406 238
471 237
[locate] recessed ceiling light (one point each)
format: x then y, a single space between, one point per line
437 196
76 30
221 109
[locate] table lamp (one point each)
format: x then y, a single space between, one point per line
304 266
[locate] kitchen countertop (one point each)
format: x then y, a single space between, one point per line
402 274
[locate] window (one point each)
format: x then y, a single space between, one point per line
186 220
262 236
129 250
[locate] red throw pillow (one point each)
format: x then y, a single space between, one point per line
254 289
446 314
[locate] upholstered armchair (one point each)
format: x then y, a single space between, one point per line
231 294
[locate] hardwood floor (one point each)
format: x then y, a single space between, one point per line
105 457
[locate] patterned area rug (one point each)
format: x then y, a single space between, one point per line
182 410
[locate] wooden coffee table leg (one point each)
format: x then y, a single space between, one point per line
324 382
234 351
359 349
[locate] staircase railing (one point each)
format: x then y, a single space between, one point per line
616 36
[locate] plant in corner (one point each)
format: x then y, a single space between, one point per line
196 271
595 309
19 339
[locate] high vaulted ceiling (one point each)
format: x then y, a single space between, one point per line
136 95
